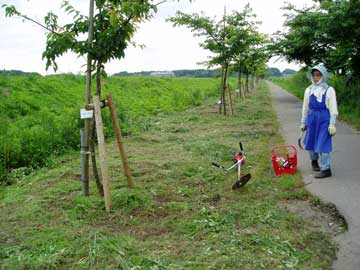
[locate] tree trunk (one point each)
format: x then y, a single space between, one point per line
93 160
252 82
247 83
221 90
240 85
87 101
238 93
98 79
230 99
224 87
92 135
239 78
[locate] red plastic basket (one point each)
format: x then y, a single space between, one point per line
284 159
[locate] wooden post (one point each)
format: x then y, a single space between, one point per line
230 99
102 153
115 122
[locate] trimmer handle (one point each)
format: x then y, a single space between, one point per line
241 146
217 165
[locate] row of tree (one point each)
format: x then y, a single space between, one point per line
328 33
191 73
187 73
275 72
208 73
234 41
17 72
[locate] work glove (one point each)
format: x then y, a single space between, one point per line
332 129
302 127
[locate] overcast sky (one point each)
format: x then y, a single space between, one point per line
167 48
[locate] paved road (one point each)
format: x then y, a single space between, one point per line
343 189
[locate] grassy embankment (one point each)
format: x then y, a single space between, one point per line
40 116
182 214
348 98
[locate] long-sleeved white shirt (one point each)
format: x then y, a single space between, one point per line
330 102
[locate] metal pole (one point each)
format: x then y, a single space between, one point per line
83 154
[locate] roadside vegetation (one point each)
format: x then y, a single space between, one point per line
182 214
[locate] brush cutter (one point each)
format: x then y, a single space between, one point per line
238 159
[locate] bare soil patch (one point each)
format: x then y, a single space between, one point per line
318 215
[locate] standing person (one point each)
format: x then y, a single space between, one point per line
319 114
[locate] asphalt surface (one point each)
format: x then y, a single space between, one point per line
343 188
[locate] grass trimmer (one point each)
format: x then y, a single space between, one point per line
238 159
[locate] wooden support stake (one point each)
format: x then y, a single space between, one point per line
115 122
102 153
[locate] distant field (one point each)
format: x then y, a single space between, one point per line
40 115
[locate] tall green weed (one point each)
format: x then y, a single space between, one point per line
39 116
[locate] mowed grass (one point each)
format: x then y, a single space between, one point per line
182 214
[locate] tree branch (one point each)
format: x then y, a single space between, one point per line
41 25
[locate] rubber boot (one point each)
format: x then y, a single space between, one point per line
324 174
315 166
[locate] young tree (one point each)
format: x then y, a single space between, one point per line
224 38
215 33
242 39
115 23
249 54
113 26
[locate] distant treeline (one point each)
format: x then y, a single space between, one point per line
17 72
205 73
275 72
189 73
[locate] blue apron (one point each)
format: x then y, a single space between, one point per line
317 137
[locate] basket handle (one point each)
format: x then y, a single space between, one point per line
283 147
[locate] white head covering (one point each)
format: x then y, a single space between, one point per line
318 89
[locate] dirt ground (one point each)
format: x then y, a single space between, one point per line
319 216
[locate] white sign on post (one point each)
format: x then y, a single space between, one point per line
85 114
